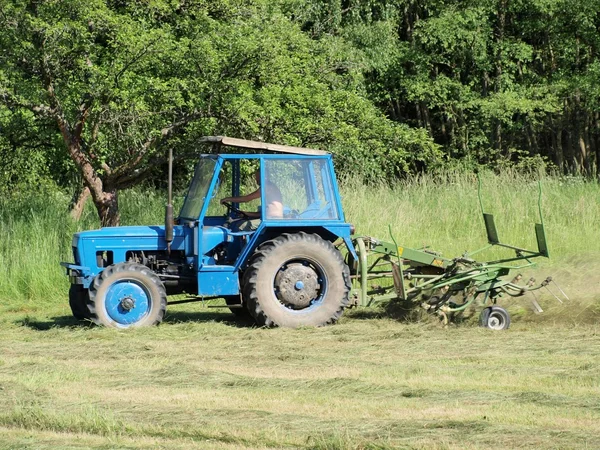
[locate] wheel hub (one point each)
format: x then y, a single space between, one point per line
127 303
496 322
297 285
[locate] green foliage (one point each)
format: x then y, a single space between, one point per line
140 77
389 86
489 80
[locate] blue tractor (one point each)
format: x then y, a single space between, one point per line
277 264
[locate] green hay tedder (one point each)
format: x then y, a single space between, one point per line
384 271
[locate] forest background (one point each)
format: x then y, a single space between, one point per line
94 92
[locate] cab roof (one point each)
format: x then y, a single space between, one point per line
263 146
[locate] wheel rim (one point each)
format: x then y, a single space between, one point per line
127 302
496 321
300 285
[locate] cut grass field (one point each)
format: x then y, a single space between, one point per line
374 380
203 380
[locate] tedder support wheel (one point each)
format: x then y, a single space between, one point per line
296 280
78 301
127 295
494 318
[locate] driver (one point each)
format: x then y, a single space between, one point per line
274 204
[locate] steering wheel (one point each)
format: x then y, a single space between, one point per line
231 208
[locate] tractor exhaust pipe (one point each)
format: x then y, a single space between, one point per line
169 208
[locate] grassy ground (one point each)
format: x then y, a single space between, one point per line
202 379
372 381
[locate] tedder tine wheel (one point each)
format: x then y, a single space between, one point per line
494 318
127 295
295 280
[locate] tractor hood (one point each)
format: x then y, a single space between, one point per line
152 231
115 243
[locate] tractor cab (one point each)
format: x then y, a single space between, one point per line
303 177
299 182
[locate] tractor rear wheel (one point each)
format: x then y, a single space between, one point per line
127 295
78 301
296 280
494 318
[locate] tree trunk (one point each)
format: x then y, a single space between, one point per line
426 120
108 208
78 204
499 38
558 149
597 143
105 197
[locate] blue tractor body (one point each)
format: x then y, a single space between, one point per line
205 254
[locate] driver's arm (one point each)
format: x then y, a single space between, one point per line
244 198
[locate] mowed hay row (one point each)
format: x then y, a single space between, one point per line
360 384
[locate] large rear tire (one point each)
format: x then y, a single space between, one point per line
296 280
127 295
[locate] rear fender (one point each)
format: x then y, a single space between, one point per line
329 233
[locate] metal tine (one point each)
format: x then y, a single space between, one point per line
536 306
561 291
553 294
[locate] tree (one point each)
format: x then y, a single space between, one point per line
490 80
104 78
122 81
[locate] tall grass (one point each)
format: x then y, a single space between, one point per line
203 381
444 212
35 235
440 211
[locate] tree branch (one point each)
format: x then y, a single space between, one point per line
131 179
150 143
134 60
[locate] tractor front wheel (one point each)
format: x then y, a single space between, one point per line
296 280
78 301
127 295
494 318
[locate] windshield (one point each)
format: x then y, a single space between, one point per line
198 189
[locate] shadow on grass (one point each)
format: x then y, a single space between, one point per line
53 322
409 312
400 310
175 317
224 317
